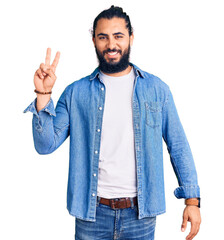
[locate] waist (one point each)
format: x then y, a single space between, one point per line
118 203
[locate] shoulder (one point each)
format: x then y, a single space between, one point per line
149 77
152 86
151 81
155 81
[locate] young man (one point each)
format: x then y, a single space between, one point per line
116 119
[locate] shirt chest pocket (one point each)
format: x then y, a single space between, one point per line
153 114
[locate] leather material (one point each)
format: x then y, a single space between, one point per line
194 202
118 203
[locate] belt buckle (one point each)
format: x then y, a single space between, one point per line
116 203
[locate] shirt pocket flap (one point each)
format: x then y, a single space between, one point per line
154 106
153 113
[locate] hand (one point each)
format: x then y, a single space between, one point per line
44 77
191 214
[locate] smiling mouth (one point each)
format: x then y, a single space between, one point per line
112 53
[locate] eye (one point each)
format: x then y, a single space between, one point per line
102 37
119 36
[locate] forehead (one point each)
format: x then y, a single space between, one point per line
111 25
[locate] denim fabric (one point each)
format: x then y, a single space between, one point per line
79 114
122 224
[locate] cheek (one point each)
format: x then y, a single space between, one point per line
101 47
123 45
100 43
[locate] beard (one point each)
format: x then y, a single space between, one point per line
111 66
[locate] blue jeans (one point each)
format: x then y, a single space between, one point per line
111 224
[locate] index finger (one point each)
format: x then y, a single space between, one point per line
48 57
56 60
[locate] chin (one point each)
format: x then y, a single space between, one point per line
111 61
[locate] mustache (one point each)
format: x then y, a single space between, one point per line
111 50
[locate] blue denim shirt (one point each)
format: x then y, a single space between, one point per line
79 114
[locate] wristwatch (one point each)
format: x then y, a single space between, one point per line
193 202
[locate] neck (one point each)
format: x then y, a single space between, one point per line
119 74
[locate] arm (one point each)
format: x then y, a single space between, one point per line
49 129
50 126
183 165
180 152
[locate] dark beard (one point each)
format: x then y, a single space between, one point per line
113 67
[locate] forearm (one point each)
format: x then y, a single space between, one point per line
49 129
50 126
43 133
185 170
47 135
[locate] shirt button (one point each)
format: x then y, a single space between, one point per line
102 88
100 108
98 130
93 194
94 174
96 152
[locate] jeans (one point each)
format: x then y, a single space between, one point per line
111 224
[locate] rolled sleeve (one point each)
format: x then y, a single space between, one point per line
49 108
192 191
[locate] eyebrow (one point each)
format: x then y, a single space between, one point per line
117 33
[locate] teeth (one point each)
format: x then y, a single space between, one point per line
112 53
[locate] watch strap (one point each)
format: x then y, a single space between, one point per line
192 202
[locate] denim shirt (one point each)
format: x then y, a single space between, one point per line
79 114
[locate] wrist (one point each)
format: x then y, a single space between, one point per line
42 101
193 202
42 92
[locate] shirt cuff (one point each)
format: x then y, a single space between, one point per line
192 191
49 108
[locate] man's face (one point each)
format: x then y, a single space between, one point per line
112 43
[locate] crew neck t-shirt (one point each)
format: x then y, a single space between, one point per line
117 165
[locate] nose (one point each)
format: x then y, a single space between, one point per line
111 43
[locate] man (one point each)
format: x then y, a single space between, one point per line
116 119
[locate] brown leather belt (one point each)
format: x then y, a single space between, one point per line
118 203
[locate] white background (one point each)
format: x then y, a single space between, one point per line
181 42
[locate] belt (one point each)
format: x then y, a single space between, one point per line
118 202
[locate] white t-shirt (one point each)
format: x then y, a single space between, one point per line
117 165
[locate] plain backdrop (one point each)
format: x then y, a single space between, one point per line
179 41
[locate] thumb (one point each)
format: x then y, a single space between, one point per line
184 223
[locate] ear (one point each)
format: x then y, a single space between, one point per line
93 39
131 39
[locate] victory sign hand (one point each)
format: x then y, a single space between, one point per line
44 77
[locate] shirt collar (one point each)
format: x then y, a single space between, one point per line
137 71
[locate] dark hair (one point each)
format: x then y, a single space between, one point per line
110 13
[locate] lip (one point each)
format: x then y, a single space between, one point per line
112 56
